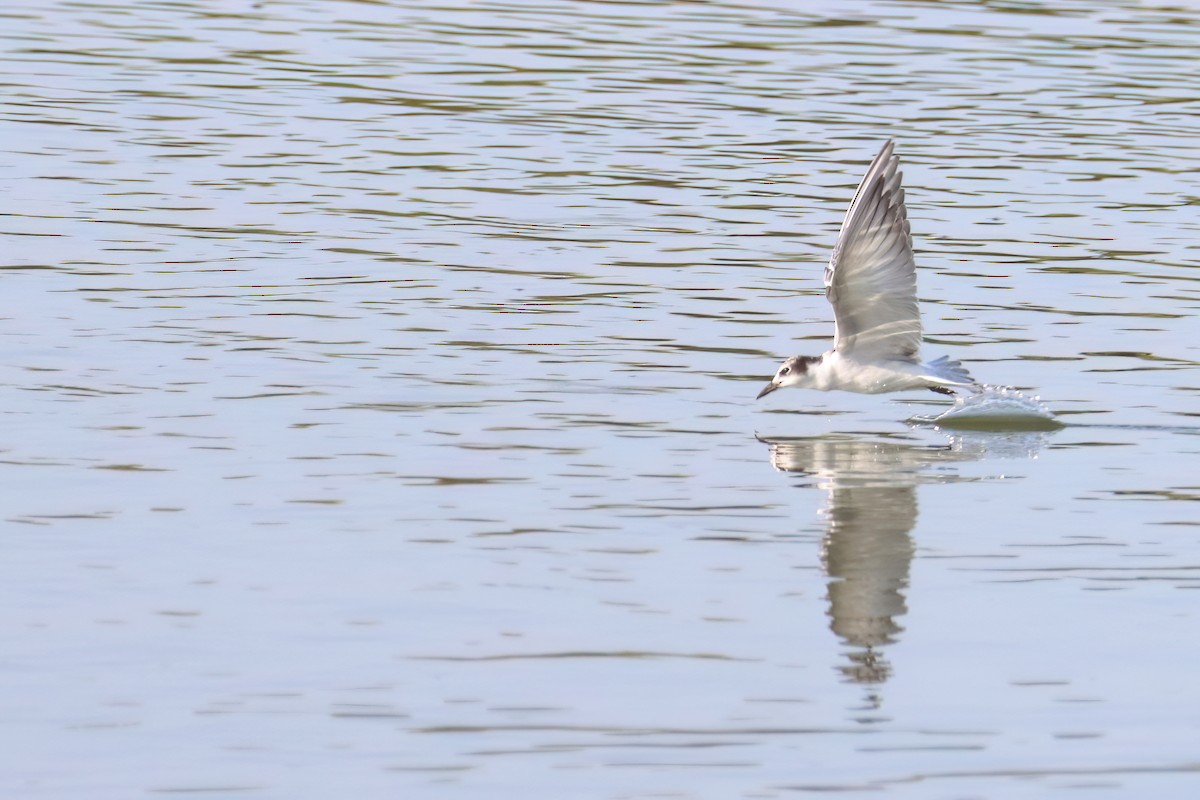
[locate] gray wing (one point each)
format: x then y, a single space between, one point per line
871 279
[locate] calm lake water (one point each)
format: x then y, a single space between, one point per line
379 414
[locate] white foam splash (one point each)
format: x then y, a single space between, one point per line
996 408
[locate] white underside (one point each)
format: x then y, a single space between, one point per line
848 374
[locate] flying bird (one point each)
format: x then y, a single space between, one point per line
871 281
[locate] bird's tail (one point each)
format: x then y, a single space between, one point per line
945 372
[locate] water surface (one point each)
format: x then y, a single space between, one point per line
379 402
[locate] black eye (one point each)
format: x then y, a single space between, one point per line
785 370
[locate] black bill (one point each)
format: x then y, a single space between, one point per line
770 387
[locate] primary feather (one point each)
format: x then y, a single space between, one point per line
871 280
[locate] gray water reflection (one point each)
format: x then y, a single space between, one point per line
872 508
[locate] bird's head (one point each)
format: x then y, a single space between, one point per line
793 372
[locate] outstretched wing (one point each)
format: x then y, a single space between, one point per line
871 279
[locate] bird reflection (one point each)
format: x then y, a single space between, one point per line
866 553
872 508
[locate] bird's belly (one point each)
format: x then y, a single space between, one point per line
870 378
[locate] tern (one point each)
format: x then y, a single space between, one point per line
871 281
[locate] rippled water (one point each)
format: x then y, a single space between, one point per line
379 414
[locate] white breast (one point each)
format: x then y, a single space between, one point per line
836 371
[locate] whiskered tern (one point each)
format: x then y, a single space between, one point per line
871 281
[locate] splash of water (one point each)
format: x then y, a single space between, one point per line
995 408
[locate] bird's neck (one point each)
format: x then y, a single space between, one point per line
824 373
